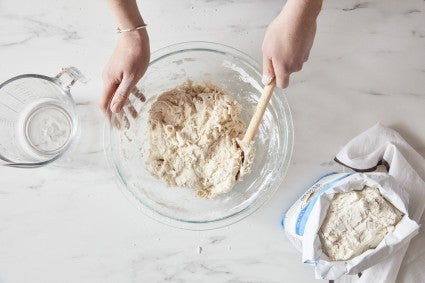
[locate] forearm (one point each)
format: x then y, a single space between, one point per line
126 13
288 40
305 9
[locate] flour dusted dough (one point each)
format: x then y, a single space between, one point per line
355 222
193 139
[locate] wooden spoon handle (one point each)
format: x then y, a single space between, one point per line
259 112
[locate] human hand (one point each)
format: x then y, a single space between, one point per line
288 40
126 66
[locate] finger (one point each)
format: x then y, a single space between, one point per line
122 119
115 121
126 122
139 94
282 77
306 56
125 113
108 114
118 120
132 110
268 71
108 92
121 94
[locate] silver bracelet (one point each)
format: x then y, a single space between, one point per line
132 29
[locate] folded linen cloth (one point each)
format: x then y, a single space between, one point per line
381 145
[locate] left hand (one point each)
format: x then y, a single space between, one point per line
126 66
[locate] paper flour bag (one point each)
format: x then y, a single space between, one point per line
348 222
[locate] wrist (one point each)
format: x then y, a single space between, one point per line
137 28
126 13
135 35
133 27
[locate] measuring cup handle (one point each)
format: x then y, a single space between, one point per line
68 76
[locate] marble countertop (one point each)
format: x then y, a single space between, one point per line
68 222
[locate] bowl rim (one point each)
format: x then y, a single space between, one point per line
257 202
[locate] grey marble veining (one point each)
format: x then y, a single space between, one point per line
22 29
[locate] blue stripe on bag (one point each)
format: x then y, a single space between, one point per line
282 222
305 212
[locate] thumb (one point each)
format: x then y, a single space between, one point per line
268 71
121 94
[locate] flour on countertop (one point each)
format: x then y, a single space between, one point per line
355 222
193 134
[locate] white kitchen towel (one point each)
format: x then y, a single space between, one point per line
381 145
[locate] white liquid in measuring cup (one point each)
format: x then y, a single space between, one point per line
46 128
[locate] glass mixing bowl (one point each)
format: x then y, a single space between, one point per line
126 137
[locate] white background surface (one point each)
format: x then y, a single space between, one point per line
68 222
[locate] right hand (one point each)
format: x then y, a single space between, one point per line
126 66
288 40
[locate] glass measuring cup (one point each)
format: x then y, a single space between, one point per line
38 119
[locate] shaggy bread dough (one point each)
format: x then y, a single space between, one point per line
355 222
193 139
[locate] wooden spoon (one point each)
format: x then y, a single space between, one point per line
256 120
259 112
